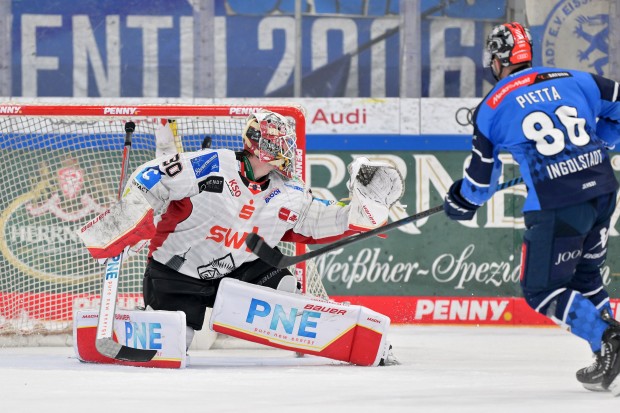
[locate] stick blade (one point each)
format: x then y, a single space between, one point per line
112 349
259 247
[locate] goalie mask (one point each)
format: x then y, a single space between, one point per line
271 138
510 43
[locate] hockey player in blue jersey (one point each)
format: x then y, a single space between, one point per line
547 119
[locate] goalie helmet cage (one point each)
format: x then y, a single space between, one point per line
61 165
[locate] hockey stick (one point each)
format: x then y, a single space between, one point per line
104 342
275 258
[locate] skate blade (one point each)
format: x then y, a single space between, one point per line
596 387
614 387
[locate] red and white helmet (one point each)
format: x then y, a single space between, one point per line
510 43
271 137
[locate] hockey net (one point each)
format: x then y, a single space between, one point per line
60 168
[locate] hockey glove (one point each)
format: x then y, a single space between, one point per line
455 206
373 187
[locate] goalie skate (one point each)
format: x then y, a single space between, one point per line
388 358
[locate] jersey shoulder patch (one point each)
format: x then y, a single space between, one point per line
205 163
148 177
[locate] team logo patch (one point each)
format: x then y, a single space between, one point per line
148 177
576 34
211 184
216 268
203 165
287 215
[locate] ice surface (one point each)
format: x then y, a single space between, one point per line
443 369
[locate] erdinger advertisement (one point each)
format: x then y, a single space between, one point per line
299 323
163 331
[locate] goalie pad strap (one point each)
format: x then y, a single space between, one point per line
299 323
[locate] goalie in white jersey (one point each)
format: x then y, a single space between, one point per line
207 202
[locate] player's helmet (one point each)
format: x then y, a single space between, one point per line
271 137
511 43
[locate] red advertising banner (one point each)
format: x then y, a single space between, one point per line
510 311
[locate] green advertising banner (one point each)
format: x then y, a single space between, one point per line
433 256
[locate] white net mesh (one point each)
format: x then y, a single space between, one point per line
57 174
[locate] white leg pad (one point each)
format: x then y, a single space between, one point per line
164 331
299 323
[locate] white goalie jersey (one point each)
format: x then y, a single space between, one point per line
204 211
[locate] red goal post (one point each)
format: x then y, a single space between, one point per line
60 168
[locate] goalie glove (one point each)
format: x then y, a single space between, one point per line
373 187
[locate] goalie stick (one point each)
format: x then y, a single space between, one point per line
104 342
276 259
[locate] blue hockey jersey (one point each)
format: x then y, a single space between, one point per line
547 119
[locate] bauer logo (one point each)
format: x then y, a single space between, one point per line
576 35
121 110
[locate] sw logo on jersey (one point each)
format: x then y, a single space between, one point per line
205 164
149 177
287 215
229 237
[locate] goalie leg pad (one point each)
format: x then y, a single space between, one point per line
163 331
299 323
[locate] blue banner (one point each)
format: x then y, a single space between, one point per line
139 48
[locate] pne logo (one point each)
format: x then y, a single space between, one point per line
112 267
260 309
143 335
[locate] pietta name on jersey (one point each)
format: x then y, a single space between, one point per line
546 118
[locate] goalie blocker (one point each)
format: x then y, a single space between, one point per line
299 323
